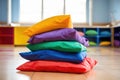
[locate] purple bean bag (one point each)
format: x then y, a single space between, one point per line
117 34
60 34
116 43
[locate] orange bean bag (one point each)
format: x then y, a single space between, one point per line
52 23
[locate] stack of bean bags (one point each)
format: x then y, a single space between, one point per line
55 46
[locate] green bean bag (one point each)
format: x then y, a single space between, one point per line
92 43
91 33
65 46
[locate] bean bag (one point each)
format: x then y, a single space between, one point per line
54 55
117 34
61 34
105 33
56 66
91 32
117 43
92 43
105 43
81 33
64 46
52 23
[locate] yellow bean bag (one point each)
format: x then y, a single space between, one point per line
105 43
52 23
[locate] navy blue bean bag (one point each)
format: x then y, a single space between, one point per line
54 55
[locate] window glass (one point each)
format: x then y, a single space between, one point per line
77 10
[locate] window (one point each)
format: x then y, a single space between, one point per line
52 7
77 9
32 11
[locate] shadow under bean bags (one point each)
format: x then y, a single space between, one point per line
55 66
63 46
54 55
61 34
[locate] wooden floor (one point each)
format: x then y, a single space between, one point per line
108 67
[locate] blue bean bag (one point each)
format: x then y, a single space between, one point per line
105 33
54 55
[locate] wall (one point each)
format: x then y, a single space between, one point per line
114 9
101 11
3 10
87 11
15 10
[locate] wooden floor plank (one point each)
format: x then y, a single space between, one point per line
107 68
57 76
103 75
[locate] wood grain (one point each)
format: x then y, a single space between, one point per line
108 67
